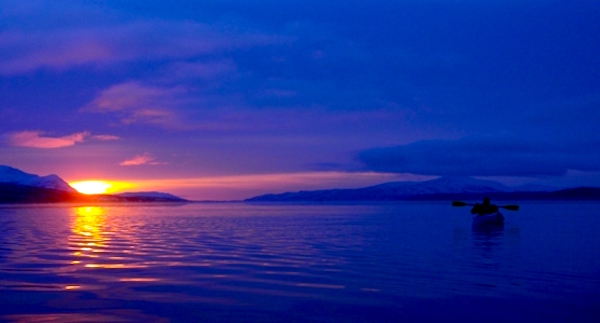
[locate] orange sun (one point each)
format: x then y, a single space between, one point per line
92 187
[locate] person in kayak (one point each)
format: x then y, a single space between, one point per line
485 208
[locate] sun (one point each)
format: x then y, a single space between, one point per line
91 187
101 186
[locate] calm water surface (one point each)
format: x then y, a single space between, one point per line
410 262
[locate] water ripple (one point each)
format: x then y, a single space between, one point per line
246 255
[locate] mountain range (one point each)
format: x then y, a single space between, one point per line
10 175
443 188
17 186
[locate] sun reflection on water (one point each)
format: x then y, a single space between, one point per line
89 233
89 223
92 241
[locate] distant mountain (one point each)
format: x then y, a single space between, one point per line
442 185
579 193
12 175
443 188
393 191
150 196
17 193
17 186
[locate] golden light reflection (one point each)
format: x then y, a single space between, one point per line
113 266
88 237
139 279
90 240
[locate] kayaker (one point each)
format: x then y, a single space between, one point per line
485 208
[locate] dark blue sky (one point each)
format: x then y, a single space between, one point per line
227 99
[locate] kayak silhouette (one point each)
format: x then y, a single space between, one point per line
487 213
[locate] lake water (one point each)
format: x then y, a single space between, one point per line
397 262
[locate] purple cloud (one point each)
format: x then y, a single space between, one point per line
134 102
199 70
35 139
38 139
106 137
138 160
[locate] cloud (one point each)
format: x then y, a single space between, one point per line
199 70
484 156
143 159
35 139
184 108
134 102
105 137
24 51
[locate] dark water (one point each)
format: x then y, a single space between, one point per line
407 262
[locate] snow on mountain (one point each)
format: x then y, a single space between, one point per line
394 190
12 175
445 185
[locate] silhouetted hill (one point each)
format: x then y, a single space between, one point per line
17 186
16 193
579 193
150 197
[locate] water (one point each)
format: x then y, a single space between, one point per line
398 262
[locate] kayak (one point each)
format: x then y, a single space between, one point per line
489 219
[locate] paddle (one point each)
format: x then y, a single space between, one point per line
508 207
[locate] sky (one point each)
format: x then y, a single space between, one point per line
218 100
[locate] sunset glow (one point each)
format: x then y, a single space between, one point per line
91 187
